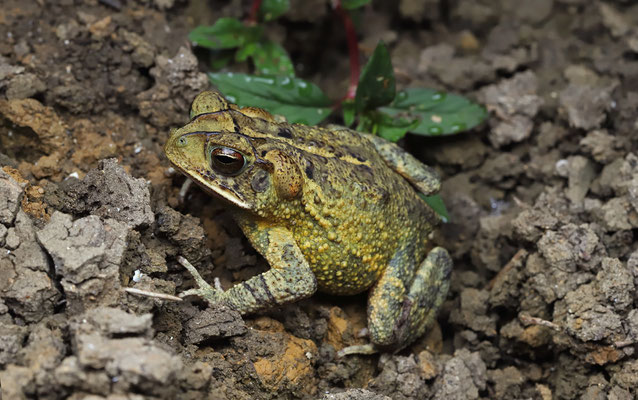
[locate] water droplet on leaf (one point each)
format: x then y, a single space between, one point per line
458 127
438 96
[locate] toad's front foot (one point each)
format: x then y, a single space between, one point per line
204 290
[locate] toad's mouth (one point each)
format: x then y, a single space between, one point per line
225 193
215 188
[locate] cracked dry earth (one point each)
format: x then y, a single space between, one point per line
543 201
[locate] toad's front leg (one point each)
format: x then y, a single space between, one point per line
289 279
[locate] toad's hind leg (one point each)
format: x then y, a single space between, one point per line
398 314
427 293
424 178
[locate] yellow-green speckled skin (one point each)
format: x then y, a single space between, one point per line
329 208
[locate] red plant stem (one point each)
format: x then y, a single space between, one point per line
254 10
353 48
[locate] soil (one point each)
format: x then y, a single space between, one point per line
543 202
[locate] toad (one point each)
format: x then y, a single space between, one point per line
329 208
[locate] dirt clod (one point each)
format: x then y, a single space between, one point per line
25 284
109 192
87 253
581 173
400 378
11 339
603 147
10 194
134 361
177 75
514 102
216 323
585 105
463 376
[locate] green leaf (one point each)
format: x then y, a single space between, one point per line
376 85
438 113
436 202
347 106
272 9
227 33
395 129
298 100
352 4
246 51
388 127
271 59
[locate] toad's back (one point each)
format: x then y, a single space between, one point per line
355 213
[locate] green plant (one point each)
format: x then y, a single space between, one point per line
371 100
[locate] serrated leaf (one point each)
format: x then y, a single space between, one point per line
226 33
438 113
271 59
376 85
298 100
352 4
272 9
436 202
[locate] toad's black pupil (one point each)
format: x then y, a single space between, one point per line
226 159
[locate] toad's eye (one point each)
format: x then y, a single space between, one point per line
227 161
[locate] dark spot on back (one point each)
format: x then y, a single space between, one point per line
263 153
365 169
236 125
285 132
310 170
